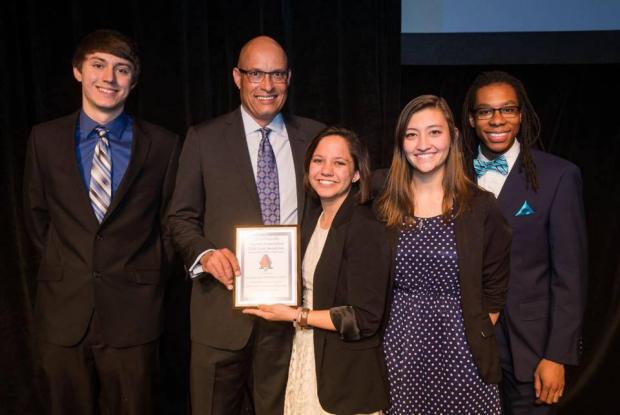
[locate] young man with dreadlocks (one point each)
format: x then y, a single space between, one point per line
540 196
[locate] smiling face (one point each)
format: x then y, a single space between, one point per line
497 133
262 100
331 171
427 141
106 82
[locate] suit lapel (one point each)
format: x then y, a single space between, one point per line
235 139
140 146
328 267
298 144
68 157
511 193
467 235
307 228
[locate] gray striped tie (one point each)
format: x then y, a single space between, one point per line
101 175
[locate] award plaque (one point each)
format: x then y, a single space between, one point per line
270 267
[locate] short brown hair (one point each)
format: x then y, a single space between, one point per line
361 161
108 41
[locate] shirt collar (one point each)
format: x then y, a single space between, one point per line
251 126
116 126
511 154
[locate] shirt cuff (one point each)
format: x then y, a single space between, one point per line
196 268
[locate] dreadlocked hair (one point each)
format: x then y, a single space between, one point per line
529 132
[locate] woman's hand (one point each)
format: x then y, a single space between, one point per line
275 312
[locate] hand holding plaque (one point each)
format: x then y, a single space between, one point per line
222 265
270 268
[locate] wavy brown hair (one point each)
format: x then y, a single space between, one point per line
359 154
396 204
529 131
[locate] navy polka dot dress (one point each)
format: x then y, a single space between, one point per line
430 366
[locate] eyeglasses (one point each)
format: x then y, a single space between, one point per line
486 113
256 76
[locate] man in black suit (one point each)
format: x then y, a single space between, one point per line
243 168
540 195
96 187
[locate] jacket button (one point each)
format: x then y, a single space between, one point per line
97 274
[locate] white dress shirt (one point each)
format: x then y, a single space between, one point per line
492 180
287 184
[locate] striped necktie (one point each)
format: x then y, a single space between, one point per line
100 191
267 183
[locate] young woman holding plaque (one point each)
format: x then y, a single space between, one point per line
450 271
337 365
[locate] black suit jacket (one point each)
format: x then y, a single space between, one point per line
353 270
483 240
116 267
546 296
216 191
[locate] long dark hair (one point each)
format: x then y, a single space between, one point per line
529 132
396 203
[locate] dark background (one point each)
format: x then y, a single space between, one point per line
345 57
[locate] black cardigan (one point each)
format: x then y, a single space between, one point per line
351 279
483 239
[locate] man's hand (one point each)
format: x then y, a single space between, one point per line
549 381
276 312
222 264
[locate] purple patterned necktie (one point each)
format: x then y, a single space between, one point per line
267 181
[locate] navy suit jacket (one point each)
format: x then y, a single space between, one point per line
547 289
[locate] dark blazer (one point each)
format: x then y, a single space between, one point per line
353 271
483 240
546 297
117 267
215 191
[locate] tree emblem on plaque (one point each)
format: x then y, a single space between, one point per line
265 262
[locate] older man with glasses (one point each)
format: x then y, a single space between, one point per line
245 167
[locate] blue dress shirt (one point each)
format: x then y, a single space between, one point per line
120 138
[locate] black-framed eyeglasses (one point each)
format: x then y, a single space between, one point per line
256 76
486 113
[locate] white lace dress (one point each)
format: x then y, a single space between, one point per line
301 390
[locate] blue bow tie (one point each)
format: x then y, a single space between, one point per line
500 165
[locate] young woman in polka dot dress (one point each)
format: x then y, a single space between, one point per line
450 271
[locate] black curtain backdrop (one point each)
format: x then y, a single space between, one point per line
346 71
345 62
